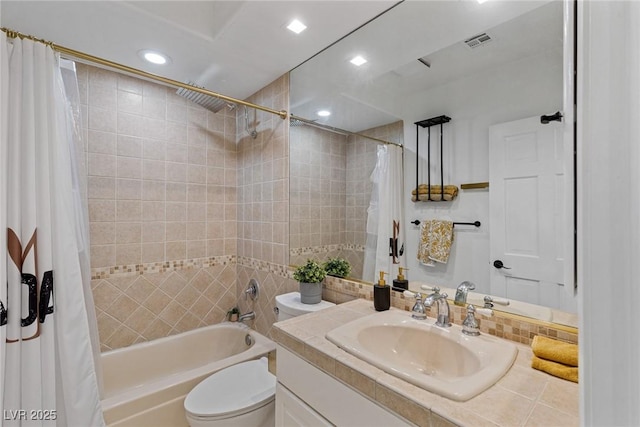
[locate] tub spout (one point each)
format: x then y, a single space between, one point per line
247 316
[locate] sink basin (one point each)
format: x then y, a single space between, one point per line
441 360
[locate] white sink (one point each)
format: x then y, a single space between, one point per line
441 360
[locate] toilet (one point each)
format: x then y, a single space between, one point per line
241 395
289 305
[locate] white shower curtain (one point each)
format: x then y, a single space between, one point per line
385 216
47 372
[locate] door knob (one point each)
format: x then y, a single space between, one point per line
499 264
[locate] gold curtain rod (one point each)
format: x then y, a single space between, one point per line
105 62
342 131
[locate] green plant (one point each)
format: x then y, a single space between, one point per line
311 272
338 267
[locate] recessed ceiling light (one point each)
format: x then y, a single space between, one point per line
481 1
358 60
296 26
154 57
324 113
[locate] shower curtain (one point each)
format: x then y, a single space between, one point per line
47 369
385 231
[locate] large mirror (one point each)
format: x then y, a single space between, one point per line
489 66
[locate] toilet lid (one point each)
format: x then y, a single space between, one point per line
232 391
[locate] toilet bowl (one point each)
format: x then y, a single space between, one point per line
241 395
289 305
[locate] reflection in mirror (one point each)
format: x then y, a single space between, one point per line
330 190
428 70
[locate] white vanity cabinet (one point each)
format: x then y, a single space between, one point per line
306 396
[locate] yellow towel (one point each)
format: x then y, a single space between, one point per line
436 189
436 238
554 350
424 197
556 369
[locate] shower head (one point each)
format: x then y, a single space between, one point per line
295 122
209 102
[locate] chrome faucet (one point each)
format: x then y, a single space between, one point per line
247 316
462 291
443 320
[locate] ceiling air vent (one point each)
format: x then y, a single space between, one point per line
477 41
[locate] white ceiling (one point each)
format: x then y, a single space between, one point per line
375 93
231 47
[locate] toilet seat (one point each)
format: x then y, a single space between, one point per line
233 391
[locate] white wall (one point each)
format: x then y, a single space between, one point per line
609 211
529 87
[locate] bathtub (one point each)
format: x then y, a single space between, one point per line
146 384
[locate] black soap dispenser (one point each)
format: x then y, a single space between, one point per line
381 294
400 284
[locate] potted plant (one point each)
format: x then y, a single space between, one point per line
310 276
338 267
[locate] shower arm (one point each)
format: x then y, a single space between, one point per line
253 133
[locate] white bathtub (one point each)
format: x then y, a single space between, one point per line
146 384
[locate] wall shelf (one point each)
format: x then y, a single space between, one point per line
428 123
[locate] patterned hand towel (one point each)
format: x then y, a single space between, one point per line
556 369
554 350
436 238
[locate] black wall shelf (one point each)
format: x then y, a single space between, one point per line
428 123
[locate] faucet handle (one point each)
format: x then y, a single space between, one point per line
489 301
485 311
433 289
410 294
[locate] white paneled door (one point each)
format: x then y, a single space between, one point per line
527 212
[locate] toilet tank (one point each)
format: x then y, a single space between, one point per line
289 305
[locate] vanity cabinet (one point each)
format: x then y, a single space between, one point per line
307 396
293 412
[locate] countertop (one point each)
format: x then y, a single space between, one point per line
523 397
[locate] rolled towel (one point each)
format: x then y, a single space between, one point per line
556 369
436 189
554 350
435 197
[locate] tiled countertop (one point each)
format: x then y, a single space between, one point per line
523 397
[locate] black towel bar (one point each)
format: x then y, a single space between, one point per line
476 223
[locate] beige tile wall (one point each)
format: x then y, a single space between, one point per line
263 178
162 197
162 173
133 308
329 208
263 205
318 167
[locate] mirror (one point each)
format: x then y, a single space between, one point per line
422 63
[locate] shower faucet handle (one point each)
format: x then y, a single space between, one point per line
252 290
